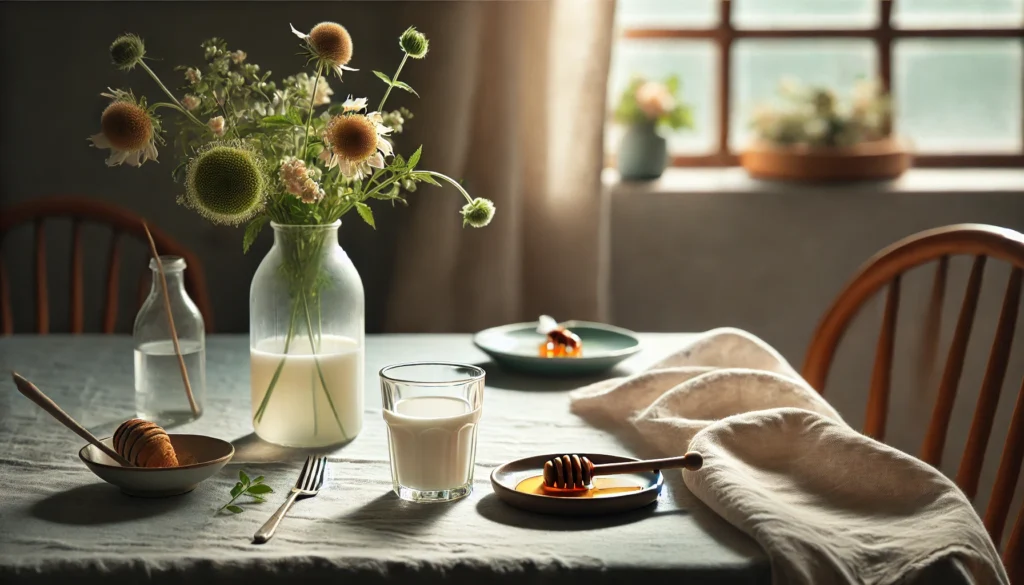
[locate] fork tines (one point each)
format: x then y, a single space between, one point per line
311 479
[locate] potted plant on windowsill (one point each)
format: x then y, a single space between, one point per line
643 108
813 136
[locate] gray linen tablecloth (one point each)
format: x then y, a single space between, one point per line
60 523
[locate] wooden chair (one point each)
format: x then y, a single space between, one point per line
121 222
885 270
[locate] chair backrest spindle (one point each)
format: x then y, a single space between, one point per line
932 327
935 439
77 292
42 294
881 375
995 373
113 271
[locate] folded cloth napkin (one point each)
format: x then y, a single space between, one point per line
826 503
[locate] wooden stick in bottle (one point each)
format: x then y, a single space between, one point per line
170 323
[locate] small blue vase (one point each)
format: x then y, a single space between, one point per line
643 153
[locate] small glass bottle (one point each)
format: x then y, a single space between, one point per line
160 394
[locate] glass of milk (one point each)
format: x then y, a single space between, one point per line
432 410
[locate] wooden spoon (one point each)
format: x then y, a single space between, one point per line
36 395
575 473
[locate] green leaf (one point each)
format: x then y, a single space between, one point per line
415 158
276 121
383 77
252 231
234 509
242 477
366 213
405 86
237 490
259 489
258 480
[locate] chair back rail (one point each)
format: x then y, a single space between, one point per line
122 223
884 270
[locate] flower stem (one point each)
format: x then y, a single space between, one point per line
280 366
316 362
309 118
383 184
405 58
453 182
187 113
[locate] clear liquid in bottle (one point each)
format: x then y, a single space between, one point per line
159 391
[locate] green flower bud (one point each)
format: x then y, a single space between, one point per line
226 184
414 43
127 51
478 214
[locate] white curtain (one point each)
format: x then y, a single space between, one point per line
523 109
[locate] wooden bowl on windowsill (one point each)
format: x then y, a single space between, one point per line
887 158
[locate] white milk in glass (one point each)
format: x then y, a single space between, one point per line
432 441
299 412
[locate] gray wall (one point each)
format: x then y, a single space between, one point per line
54 63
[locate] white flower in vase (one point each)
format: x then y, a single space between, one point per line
128 129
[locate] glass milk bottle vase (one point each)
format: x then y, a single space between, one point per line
306 322
160 394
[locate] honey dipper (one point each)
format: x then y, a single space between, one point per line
575 473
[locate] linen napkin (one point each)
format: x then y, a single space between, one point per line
826 503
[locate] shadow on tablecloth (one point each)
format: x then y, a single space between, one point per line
101 503
252 449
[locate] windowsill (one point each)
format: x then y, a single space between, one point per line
735 180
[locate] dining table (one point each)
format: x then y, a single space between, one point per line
59 523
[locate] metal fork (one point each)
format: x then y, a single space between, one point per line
307 486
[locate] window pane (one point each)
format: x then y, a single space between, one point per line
667 13
958 13
959 95
759 65
693 62
805 13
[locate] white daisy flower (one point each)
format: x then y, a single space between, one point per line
357 143
128 130
330 44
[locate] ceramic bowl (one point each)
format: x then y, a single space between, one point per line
204 455
505 478
516 347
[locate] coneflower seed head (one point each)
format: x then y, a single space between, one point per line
127 51
352 138
126 125
414 43
331 43
478 214
225 184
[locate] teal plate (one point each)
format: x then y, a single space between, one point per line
516 347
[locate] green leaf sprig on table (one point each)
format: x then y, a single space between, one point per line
255 489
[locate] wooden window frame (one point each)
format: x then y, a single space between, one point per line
883 34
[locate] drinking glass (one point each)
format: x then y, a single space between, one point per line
432 410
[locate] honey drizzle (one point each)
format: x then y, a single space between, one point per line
603 487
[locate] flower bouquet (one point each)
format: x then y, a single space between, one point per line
815 135
643 107
257 151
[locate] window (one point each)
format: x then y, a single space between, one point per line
953 67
